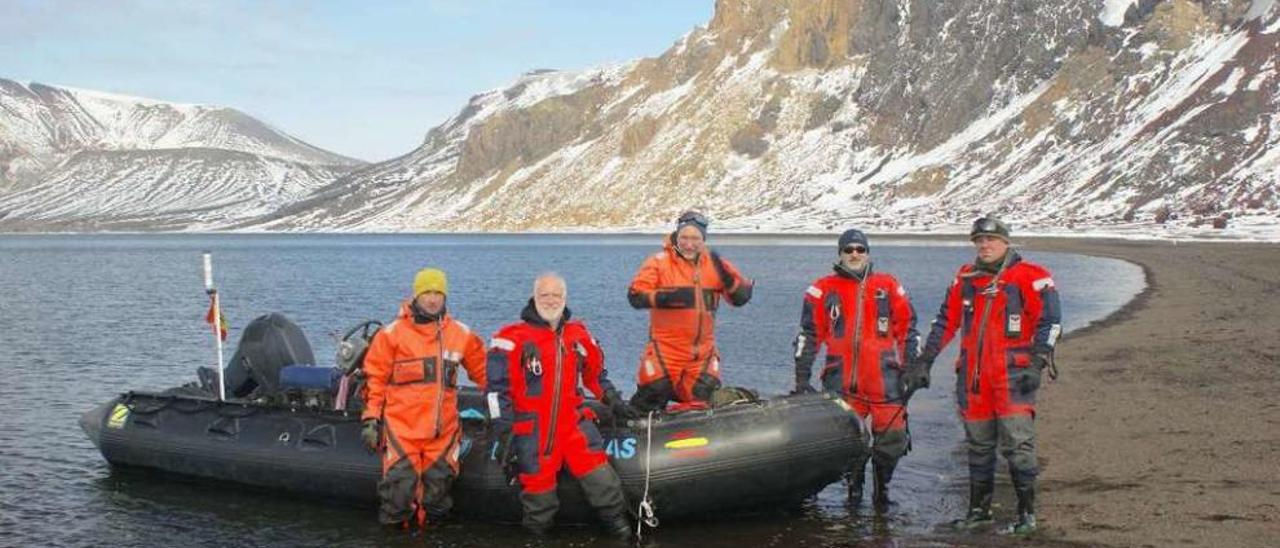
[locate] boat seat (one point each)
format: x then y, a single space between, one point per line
309 377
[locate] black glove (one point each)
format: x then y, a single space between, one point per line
726 279
1029 378
371 434
916 376
1041 360
619 406
803 388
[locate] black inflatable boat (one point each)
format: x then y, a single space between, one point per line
746 454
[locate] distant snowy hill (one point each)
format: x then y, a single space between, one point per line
80 160
1108 115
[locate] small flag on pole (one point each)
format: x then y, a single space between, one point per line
222 317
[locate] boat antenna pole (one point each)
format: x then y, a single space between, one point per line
217 319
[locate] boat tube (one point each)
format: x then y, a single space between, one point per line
746 454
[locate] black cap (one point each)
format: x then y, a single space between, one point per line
990 226
852 236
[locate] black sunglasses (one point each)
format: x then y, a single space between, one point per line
692 217
848 249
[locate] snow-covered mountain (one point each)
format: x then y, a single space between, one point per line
893 114
75 159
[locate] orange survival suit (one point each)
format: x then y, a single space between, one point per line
680 360
412 375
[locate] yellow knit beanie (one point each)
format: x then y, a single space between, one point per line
430 279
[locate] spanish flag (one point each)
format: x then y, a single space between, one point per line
222 317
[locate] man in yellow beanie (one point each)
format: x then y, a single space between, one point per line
411 402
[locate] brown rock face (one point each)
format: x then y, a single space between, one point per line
814 113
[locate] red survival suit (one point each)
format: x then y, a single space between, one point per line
680 360
533 391
412 388
1002 320
868 326
1009 319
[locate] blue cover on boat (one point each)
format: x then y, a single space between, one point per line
307 377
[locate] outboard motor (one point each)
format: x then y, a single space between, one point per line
269 344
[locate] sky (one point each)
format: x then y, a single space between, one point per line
363 79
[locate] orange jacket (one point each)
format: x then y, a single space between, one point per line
406 388
683 298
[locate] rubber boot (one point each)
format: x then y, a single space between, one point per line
1026 523
979 505
856 476
603 490
883 472
539 511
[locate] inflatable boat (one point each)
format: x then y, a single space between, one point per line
744 454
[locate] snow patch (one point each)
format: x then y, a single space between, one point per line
1262 8
1113 12
1232 82
658 103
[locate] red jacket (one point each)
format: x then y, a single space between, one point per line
868 327
1002 321
533 374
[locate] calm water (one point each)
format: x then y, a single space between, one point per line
83 318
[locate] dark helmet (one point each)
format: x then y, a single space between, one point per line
850 237
694 219
990 226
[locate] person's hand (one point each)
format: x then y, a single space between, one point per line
620 407
1041 360
371 434
726 279
916 376
1028 379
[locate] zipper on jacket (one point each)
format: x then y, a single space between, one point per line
856 350
697 305
989 296
555 394
439 376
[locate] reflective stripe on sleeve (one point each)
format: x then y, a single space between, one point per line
495 410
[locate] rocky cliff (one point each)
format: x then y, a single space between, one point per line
893 114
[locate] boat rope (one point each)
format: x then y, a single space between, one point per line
644 513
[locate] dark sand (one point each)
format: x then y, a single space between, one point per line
1164 427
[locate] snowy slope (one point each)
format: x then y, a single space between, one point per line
193 188
78 159
891 114
40 119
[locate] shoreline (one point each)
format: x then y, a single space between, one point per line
819 237
1162 428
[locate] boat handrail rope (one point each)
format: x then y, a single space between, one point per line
644 513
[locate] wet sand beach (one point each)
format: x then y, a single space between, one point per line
1164 427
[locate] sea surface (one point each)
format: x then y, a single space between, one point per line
84 318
